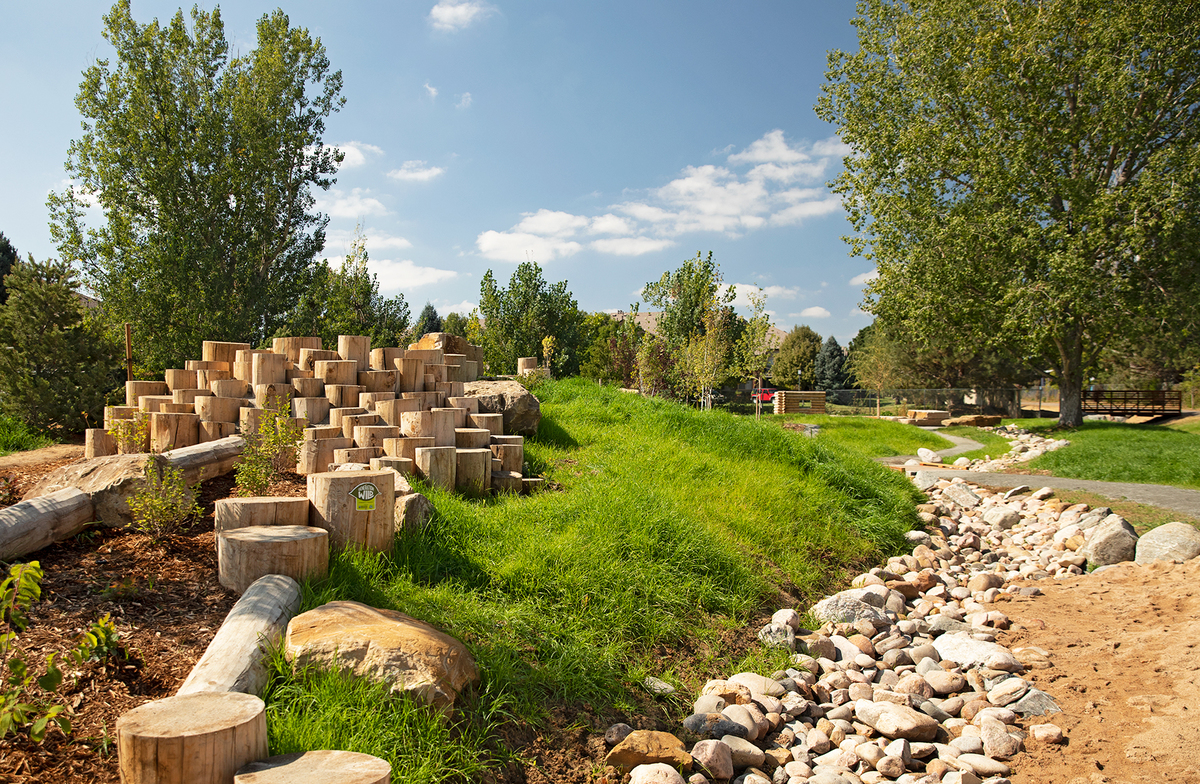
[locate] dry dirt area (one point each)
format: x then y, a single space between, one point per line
1121 647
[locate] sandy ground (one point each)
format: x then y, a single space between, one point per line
1124 669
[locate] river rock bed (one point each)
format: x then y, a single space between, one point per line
1024 446
903 680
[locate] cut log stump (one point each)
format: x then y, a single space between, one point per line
200 738
317 767
472 438
343 395
234 660
355 507
137 389
405 447
98 442
356 348
473 473
412 374
219 409
217 351
336 372
471 404
229 387
313 409
357 454
309 357
506 481
401 465
385 358
437 465
180 379
231 513
215 431
378 380
290 347
314 456
308 387
374 435
351 421
493 422
171 431
390 410
246 554
460 415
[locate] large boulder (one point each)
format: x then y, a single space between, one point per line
846 607
1113 541
522 411
383 645
1173 541
896 721
648 747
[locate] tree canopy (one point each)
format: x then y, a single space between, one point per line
8 257
428 321
685 295
1023 174
517 319
794 362
829 368
203 164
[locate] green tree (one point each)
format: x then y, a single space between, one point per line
685 296
598 331
8 257
517 319
456 324
753 348
1021 172
875 361
58 365
346 301
829 368
204 165
794 363
428 321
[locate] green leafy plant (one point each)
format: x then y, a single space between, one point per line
19 707
269 452
100 643
164 504
132 434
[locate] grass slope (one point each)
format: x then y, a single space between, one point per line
872 437
672 525
15 437
993 444
1118 452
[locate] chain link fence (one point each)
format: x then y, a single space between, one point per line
1004 402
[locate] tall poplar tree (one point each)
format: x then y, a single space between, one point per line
203 164
1025 173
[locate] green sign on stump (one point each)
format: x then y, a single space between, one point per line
364 497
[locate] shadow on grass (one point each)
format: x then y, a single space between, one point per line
551 433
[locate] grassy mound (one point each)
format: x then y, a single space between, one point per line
671 526
1119 452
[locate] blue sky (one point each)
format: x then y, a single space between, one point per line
606 141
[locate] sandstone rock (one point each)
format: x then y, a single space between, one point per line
1046 733
896 721
1001 518
997 743
1008 691
522 411
965 650
962 495
1111 542
928 455
757 684
892 767
983 766
715 757
740 715
1173 541
985 581
840 608
787 617
944 682
743 753
778 635
383 645
413 512
655 773
647 747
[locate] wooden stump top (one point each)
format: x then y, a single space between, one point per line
317 767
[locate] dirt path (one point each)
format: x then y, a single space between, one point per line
47 454
1125 671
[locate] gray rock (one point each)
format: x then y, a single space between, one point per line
1111 542
925 480
1173 541
843 609
522 411
944 624
1035 703
966 651
743 753
896 721
617 733
928 455
657 687
713 725
962 495
412 512
709 703
1001 519
1016 491
778 635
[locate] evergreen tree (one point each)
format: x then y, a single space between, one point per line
829 369
8 257
428 321
58 365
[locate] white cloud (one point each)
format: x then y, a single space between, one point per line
771 148
356 153
463 308
806 209
415 171
464 101
610 224
866 277
630 246
404 274
744 290
550 223
376 240
87 198
522 246
353 205
781 292
815 311
433 91
859 312
452 16
832 147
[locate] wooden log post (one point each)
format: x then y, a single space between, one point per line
250 419
390 410
343 396
202 462
204 378
430 356
188 396
351 421
412 375
230 388
526 365
98 442
378 380
470 371
201 738
432 399
268 369
308 387
471 404
171 431
113 414
356 348
313 409
314 456
450 389
177 408
180 379
29 526
506 482
151 403
231 513
337 416
472 438
439 372
417 424
460 415
374 435
309 357
336 372
385 358
324 766
246 554
493 422
200 364
511 456
401 465
273 397
473 473
216 351
214 431
443 426
136 389
437 465
233 661
357 454
368 400
455 360
243 366
355 507
316 432
290 347
405 447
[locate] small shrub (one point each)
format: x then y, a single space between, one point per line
165 504
132 434
269 452
20 706
100 643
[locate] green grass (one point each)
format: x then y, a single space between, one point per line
1119 452
870 437
1187 425
673 526
993 444
15 437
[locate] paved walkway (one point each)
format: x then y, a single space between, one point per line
960 445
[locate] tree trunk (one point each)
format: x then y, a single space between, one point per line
1070 378
202 462
232 513
317 767
246 554
233 660
29 526
473 471
202 738
350 520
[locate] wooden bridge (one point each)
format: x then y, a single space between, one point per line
1132 402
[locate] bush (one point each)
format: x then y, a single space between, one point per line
165 504
269 452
